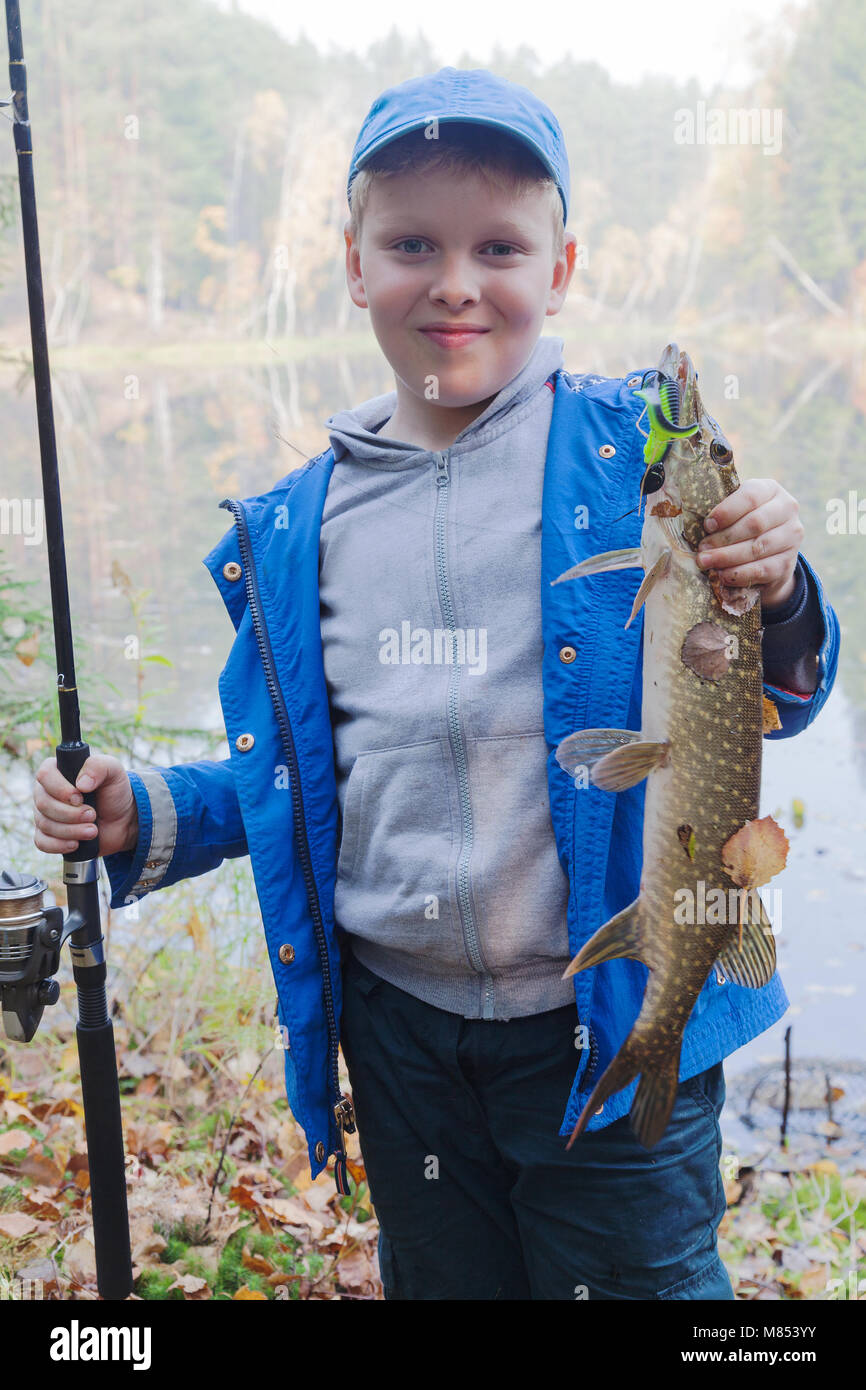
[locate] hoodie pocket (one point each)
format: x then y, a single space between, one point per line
395 871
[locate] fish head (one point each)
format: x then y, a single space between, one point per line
699 464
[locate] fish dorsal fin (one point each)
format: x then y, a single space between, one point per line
752 966
622 936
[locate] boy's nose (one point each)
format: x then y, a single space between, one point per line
455 284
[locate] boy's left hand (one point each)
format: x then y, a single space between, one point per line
756 536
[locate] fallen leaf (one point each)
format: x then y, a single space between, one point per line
16 1139
769 716
6 1090
27 650
287 1212
245 1294
14 1225
257 1264
140 1064
733 598
67 1106
686 837
79 1262
706 651
755 852
358 1272
13 1110
41 1168
39 1201
191 1285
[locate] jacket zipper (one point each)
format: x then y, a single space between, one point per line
344 1119
457 743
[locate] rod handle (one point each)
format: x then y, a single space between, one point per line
105 1158
71 757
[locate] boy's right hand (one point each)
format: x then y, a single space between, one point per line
61 818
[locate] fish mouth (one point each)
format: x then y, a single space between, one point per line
678 366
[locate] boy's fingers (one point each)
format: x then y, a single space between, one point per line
54 810
57 830
92 772
55 785
49 845
753 493
751 525
780 541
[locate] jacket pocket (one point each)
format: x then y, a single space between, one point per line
395 870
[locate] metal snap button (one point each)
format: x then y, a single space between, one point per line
320 1152
633 381
244 742
607 451
567 654
599 1110
286 953
232 570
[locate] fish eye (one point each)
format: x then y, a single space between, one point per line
720 451
655 478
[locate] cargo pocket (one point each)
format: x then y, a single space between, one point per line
395 871
711 1282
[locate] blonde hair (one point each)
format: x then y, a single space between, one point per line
502 161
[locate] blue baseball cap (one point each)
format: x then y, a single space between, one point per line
474 96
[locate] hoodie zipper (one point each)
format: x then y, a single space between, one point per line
344 1119
457 742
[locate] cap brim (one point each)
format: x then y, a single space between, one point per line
491 124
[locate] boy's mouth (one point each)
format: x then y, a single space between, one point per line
452 335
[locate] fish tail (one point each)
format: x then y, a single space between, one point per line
653 1103
623 1069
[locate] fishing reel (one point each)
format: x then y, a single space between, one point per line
30 940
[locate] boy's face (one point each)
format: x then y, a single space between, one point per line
458 277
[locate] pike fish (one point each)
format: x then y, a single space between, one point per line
703 717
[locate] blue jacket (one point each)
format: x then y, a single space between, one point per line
280 772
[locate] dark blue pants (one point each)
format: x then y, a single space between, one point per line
475 1193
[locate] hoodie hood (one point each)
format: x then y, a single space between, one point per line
354 431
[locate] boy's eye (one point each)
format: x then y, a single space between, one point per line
500 247
411 244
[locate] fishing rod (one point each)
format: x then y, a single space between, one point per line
31 936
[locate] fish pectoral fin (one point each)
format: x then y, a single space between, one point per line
625 767
584 748
660 570
599 564
753 964
621 936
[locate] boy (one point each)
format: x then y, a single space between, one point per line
394 670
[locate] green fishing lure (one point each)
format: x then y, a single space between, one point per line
662 400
